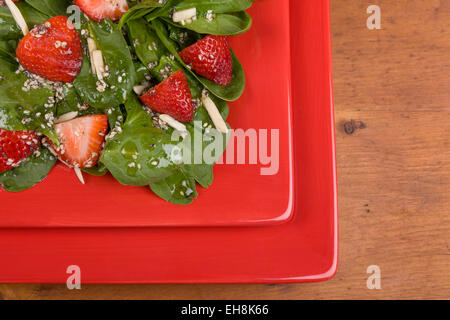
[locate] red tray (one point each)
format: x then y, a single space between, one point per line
266 104
303 249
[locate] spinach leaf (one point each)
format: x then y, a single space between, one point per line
202 6
98 170
217 6
196 167
142 72
7 50
145 42
140 154
229 93
183 37
162 11
122 76
23 109
30 172
179 188
203 138
71 102
223 24
138 11
8 26
50 8
202 173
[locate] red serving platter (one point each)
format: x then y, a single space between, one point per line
265 104
304 248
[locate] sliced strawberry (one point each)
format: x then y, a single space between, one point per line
52 50
210 58
16 146
98 10
172 97
81 140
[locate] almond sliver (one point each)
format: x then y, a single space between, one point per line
79 174
139 89
214 113
174 124
92 47
17 15
97 57
183 15
66 117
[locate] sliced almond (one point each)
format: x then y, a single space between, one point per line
79 174
183 15
66 117
174 124
92 47
140 88
52 151
17 15
97 57
214 113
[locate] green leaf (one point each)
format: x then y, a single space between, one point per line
162 11
142 72
179 188
141 153
29 173
117 57
224 24
8 26
217 6
8 50
230 92
50 8
98 170
138 11
148 47
202 173
202 6
23 110
183 37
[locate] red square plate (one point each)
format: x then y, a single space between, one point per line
266 105
303 249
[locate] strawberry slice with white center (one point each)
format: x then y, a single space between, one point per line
81 140
98 10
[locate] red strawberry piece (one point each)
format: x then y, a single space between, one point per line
172 97
81 140
3 2
210 58
98 10
16 146
52 50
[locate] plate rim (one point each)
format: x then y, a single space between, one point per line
321 275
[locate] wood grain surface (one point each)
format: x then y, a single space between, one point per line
392 100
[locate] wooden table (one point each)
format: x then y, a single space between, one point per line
392 97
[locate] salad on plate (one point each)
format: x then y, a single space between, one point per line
137 89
